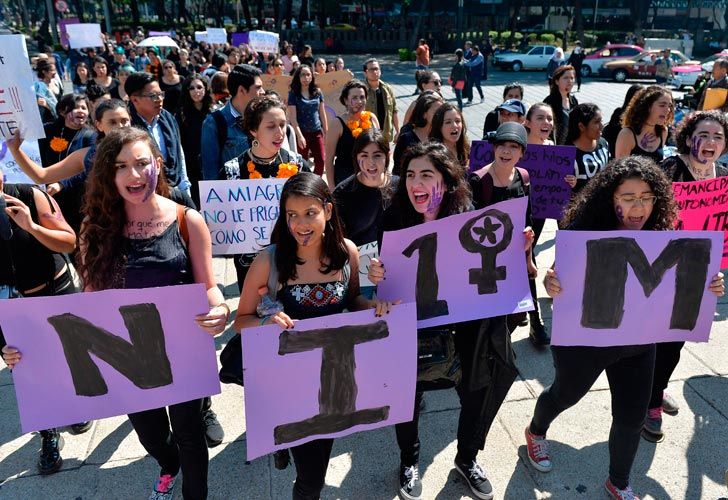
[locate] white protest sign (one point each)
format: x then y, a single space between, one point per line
201 36
83 35
18 107
12 173
264 41
216 35
366 254
240 214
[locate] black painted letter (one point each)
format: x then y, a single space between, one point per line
488 246
144 361
606 276
428 284
337 396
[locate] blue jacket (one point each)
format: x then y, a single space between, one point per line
475 65
236 143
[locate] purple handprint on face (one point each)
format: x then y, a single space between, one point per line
695 150
435 199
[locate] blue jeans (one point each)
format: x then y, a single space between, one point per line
459 97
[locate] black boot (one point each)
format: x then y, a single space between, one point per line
538 334
50 452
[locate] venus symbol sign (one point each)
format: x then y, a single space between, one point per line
487 234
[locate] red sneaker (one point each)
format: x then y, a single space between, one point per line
617 494
538 451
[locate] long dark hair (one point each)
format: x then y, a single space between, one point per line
593 208
424 102
296 88
374 136
638 110
582 113
102 108
463 144
457 197
334 253
187 106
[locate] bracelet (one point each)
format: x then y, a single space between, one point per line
264 319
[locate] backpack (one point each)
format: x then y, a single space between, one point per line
487 185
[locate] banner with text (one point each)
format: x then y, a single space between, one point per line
353 371
216 35
84 35
18 104
547 167
704 205
241 213
611 279
462 267
264 41
12 173
89 356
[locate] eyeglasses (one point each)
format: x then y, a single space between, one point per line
633 201
437 83
154 96
197 87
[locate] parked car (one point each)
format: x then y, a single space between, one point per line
685 75
642 66
708 63
532 58
596 59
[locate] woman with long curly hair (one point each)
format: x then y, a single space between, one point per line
134 237
701 140
448 128
644 124
432 187
630 194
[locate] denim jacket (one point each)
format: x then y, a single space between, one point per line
236 143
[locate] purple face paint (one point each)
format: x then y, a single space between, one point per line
306 238
435 199
150 173
695 150
647 140
620 213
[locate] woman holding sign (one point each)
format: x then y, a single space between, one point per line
630 194
134 237
318 275
701 140
433 187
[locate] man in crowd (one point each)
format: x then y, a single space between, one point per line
663 73
380 99
511 92
718 80
423 55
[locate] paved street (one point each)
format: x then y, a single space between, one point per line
109 463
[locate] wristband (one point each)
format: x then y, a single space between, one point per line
227 308
264 319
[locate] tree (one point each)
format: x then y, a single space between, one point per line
514 11
578 20
134 4
639 10
303 13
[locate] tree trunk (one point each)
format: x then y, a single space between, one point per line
246 12
578 21
182 10
303 13
79 10
639 9
260 14
161 11
513 25
289 9
134 4
276 14
418 25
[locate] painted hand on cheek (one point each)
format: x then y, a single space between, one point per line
435 198
695 150
620 213
150 175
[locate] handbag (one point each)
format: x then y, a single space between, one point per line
460 85
438 363
231 357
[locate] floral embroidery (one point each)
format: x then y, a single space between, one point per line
59 144
360 124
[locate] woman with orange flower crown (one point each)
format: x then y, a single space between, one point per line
343 131
264 119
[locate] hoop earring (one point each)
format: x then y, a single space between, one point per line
255 143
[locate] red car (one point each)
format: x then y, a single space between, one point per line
641 66
595 60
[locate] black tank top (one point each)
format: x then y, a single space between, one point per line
655 155
304 301
161 260
343 164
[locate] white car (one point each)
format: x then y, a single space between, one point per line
537 57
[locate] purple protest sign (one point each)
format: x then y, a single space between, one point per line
160 33
121 328
547 167
635 287
239 38
353 372
462 267
62 23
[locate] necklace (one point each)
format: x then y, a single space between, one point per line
359 123
497 177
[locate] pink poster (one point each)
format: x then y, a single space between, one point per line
329 377
95 355
704 205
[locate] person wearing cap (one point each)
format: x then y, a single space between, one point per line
513 90
119 60
512 110
501 180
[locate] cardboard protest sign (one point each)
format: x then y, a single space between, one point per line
95 355
18 106
634 287
201 36
366 254
331 85
704 205
238 39
462 267
241 213
159 33
12 173
547 167
715 98
62 23
264 41
280 84
353 372
216 35
83 35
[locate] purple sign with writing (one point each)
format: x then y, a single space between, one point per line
95 355
160 33
239 38
353 372
635 287
462 267
547 167
62 23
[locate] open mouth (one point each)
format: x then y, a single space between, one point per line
504 159
304 236
371 171
136 188
708 153
455 134
635 221
278 143
421 197
546 130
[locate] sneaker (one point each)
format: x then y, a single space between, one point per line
669 405
482 99
538 452
617 494
282 459
410 487
50 460
652 428
81 427
537 333
213 429
475 476
164 488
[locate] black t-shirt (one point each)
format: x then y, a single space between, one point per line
491 122
588 164
678 171
405 141
361 208
516 189
381 112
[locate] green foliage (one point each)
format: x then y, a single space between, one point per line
407 55
547 38
505 35
589 40
532 37
493 34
